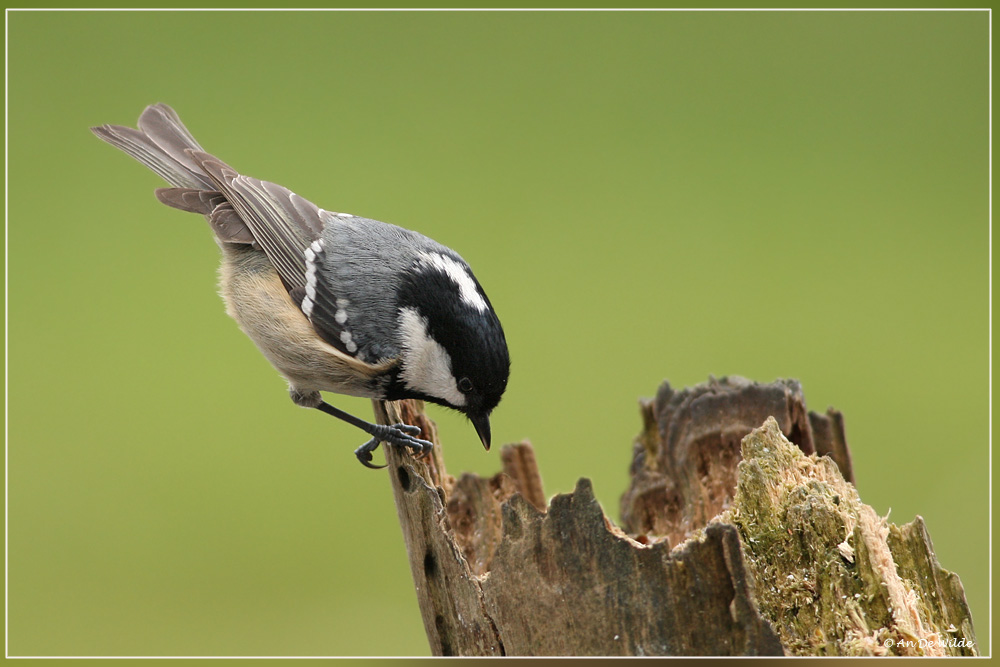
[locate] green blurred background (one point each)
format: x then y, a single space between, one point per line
644 196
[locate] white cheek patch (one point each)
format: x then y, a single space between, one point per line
458 274
426 365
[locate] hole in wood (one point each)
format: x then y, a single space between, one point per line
442 635
430 565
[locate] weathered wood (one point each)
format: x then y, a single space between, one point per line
497 576
684 462
941 596
450 597
832 576
566 583
773 550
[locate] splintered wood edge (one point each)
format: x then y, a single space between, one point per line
520 465
465 614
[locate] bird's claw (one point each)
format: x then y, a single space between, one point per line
399 435
364 454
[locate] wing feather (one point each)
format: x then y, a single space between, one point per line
282 223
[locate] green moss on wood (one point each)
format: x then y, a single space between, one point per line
831 576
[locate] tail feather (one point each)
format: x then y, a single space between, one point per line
160 144
163 144
163 126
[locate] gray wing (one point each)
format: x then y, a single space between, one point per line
283 224
290 231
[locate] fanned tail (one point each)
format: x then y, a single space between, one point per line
160 144
165 146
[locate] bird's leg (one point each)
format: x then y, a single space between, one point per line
400 435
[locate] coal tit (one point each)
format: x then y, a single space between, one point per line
336 302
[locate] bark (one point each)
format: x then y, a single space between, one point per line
737 539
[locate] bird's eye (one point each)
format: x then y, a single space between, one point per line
465 385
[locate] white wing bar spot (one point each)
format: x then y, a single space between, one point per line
311 255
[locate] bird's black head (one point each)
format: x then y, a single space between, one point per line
454 350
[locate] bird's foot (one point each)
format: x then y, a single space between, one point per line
399 435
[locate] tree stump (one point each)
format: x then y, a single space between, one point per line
741 536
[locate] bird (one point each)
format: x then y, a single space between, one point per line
336 302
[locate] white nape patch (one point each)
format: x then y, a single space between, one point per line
426 366
458 274
348 341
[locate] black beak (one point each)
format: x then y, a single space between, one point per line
482 424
